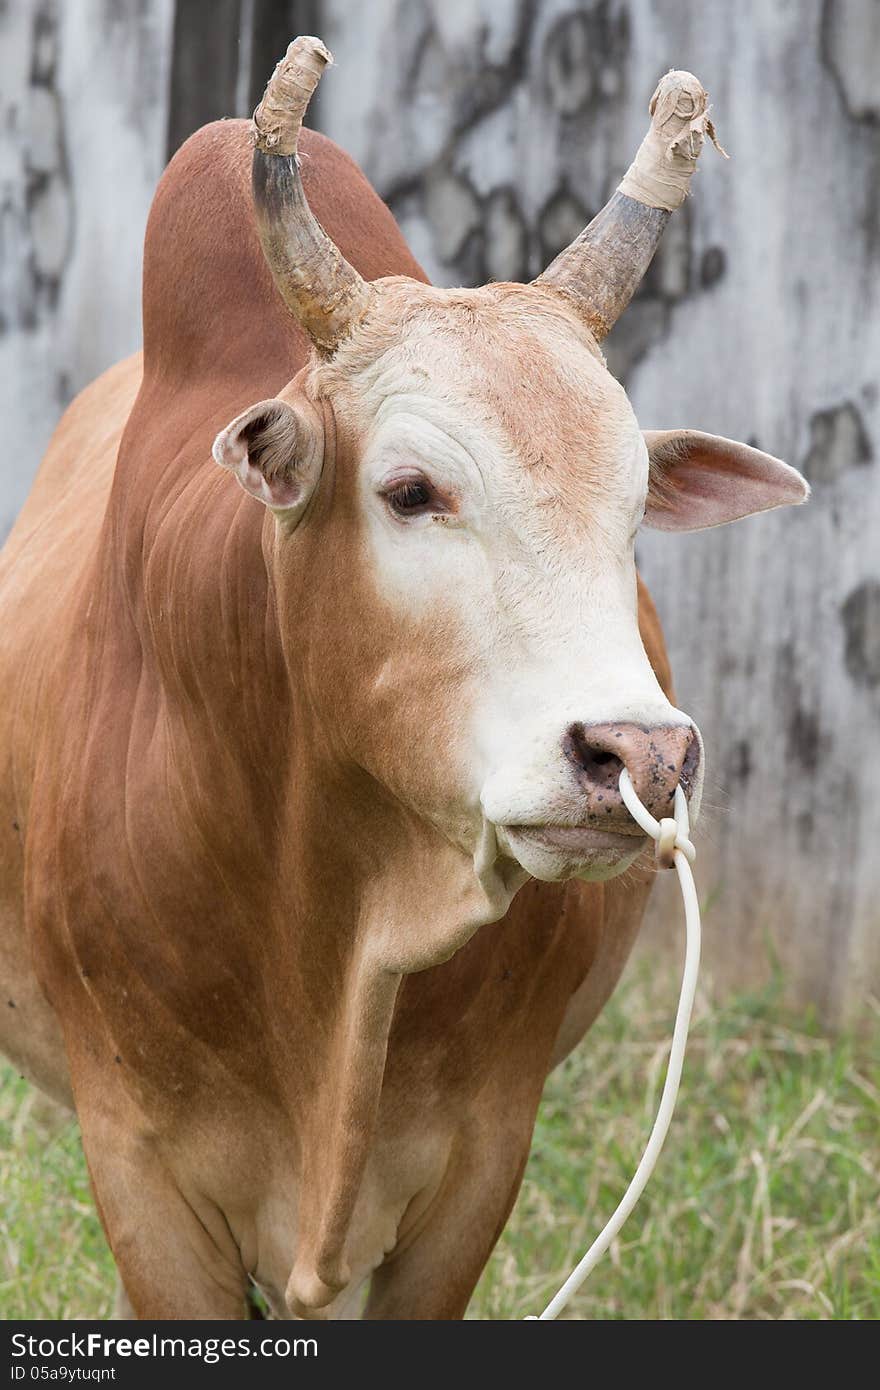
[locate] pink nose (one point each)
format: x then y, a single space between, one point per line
657 758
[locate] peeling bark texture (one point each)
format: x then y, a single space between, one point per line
496 129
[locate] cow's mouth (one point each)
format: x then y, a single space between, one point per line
555 852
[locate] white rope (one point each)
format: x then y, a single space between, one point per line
672 848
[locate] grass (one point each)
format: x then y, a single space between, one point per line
764 1204
54 1260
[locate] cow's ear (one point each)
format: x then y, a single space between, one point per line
698 480
275 452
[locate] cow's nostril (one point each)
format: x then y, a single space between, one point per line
598 762
600 758
689 766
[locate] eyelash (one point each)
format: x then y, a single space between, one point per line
413 497
409 496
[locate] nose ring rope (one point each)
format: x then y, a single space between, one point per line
673 849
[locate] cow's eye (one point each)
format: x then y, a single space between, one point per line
411 496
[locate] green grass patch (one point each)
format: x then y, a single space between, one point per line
54 1260
764 1204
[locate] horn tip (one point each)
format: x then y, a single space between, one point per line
278 118
679 103
680 108
680 84
307 48
661 172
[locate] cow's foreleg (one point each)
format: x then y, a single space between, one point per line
433 1274
175 1254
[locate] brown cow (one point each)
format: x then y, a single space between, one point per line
268 773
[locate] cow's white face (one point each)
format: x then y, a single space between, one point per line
503 479
489 479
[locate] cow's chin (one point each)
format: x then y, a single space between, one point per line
554 853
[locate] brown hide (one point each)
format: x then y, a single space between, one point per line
196 866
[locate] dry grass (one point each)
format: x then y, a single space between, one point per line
765 1203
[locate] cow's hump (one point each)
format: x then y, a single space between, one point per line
210 306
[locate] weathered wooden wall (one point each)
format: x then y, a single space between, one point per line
94 97
83 114
495 128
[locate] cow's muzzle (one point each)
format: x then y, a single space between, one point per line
657 757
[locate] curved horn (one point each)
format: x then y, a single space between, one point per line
602 269
326 294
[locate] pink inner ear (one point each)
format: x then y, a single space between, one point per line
232 448
280 492
229 449
701 480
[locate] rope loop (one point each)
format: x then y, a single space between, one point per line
664 848
673 849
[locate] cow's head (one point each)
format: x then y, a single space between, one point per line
457 483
